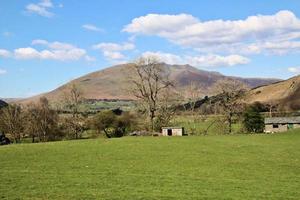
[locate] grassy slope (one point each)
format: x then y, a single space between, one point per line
214 167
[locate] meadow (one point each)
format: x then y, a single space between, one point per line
205 125
194 167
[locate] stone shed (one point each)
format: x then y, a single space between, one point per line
172 131
281 124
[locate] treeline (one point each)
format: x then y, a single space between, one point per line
38 122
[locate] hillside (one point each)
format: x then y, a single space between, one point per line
284 93
113 82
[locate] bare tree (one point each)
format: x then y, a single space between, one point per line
31 124
150 80
47 120
11 121
166 109
192 95
74 126
272 106
73 99
230 92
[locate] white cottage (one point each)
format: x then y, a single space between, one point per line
172 131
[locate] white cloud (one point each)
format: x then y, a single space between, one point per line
295 70
56 51
54 45
255 34
2 71
26 53
213 60
5 53
41 8
62 55
114 46
92 27
112 51
202 61
164 57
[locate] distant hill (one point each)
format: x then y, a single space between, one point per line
112 83
284 93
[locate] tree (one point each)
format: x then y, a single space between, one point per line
229 93
149 83
32 118
11 122
73 126
41 121
73 100
192 96
111 124
253 120
166 109
272 106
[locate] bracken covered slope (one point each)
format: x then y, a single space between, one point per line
284 93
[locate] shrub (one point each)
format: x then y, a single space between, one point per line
111 124
252 120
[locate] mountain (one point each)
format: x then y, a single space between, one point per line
286 94
113 82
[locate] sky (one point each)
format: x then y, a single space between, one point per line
46 43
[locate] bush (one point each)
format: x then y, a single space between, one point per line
252 120
111 124
3 139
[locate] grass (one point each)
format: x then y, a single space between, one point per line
107 105
204 167
194 125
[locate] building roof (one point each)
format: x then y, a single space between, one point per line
172 127
282 120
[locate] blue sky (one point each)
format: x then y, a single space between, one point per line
45 43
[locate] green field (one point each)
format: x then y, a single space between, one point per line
193 167
196 125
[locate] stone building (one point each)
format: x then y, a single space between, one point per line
172 131
281 124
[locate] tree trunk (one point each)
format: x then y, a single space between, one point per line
230 122
152 115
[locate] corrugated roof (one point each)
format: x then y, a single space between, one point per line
282 120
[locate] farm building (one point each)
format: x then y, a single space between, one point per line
281 124
172 131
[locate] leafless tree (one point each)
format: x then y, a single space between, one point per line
150 81
73 126
47 120
230 92
11 122
31 124
272 106
192 95
73 99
